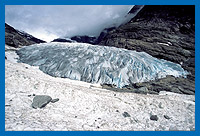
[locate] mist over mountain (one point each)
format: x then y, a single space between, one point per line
48 22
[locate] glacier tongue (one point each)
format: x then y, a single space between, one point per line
97 64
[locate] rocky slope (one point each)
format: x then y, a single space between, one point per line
169 84
165 32
15 38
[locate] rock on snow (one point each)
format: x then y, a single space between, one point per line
40 101
83 106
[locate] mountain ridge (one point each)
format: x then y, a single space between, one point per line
16 38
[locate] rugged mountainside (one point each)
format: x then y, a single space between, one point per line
16 38
165 32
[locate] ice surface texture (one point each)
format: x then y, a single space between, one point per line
97 64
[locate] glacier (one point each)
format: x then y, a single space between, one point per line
97 64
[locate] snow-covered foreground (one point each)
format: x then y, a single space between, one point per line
84 106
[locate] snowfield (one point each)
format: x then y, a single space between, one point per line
86 106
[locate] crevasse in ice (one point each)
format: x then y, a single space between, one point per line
97 64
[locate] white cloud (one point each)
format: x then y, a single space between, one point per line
50 21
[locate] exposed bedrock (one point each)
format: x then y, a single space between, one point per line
165 32
16 38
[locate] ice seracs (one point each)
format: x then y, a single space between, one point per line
97 64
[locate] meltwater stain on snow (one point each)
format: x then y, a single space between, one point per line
97 64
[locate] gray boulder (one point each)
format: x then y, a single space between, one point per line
40 101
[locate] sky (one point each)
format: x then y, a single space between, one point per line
48 22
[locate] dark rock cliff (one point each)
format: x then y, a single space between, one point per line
16 38
165 32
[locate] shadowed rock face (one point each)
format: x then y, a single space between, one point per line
16 38
165 32
169 84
